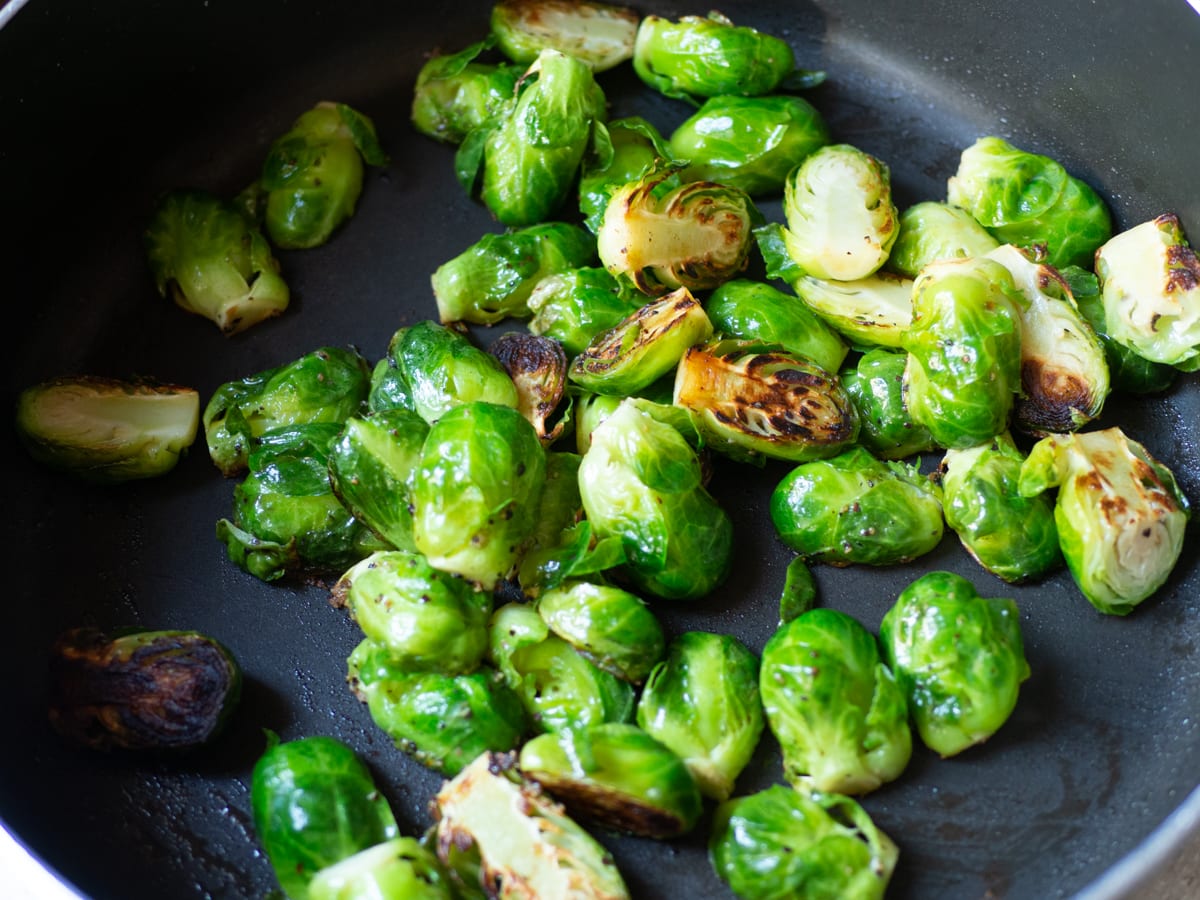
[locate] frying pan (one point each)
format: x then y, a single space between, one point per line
104 105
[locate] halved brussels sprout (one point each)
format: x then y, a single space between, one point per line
574 307
931 232
622 151
399 869
455 94
598 34
875 387
538 369
609 626
959 658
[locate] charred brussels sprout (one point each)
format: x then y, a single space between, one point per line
781 843
622 151
598 34
574 307
1027 199
959 658
836 709
213 261
493 278
875 386
107 430
455 94
314 804
703 703
617 776
399 869
931 232
1120 515
538 369
854 508
141 690
313 174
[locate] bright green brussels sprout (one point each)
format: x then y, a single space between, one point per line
314 804
854 508
642 347
1120 515
326 385
1027 199
141 689
1150 285
538 369
609 626
526 845
702 702
964 351
697 235
455 94
476 490
493 278
1012 536
836 709
641 481
213 261
799 593
932 231
107 430
875 388
753 401
527 156
958 657
622 151
781 844
399 869
389 388
426 620
598 34
575 306
617 776
750 143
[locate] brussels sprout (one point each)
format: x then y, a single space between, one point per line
538 369
313 174
781 843
1064 373
389 388
609 626
702 702
598 34
931 232
799 593
964 351
213 261
527 156
1150 285
399 869
854 508
642 347
1120 514
592 409
476 491
107 430
326 385
753 400
641 481
838 713
622 151
314 804
1011 536
455 94
1027 199
141 689
750 143
574 307
618 777
875 388
493 278
426 620
958 657
527 846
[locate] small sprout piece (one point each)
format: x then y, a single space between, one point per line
493 278
618 777
931 232
697 235
526 844
213 261
785 843
455 94
107 430
1027 199
643 347
958 657
574 307
702 701
839 715
799 593
622 151
314 804
141 690
1120 514
399 869
875 387
598 34
538 369
854 508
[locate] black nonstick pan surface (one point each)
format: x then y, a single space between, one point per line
105 105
